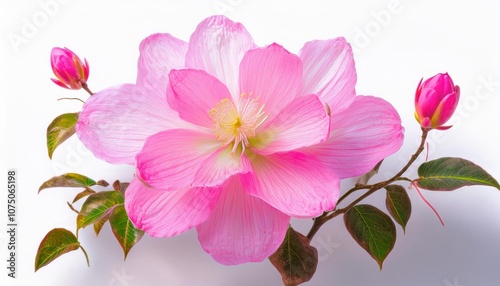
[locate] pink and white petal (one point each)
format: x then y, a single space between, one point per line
329 72
165 214
170 159
361 136
301 123
272 75
299 185
159 53
115 122
217 46
221 165
193 93
242 228
445 109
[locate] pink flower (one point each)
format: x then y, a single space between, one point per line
234 139
435 101
71 72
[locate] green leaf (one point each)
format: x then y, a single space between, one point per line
372 229
295 259
83 194
96 206
398 204
60 129
448 174
100 222
71 180
56 243
123 229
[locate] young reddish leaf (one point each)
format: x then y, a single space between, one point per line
123 229
83 194
72 208
295 259
60 129
372 229
102 183
448 174
96 206
118 186
71 180
56 243
398 204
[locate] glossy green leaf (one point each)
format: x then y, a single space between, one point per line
71 180
398 204
59 130
448 174
96 206
123 229
295 259
372 229
82 194
56 243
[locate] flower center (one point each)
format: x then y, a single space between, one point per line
237 123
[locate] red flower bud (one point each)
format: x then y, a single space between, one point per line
70 71
435 101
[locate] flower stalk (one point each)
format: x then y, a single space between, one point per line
319 221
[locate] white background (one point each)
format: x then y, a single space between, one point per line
396 43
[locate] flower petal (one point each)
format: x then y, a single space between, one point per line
299 185
361 136
171 158
428 102
193 93
217 46
303 122
445 109
329 72
221 165
160 53
165 214
242 228
271 74
115 122
59 83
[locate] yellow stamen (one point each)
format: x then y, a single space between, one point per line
236 124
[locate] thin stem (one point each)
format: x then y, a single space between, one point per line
427 203
404 179
352 190
319 221
414 157
86 255
86 88
71 98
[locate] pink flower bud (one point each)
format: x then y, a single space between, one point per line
71 72
435 101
